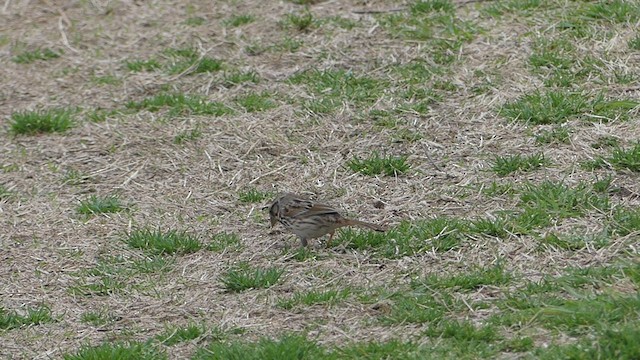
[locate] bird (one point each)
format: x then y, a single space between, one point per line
309 219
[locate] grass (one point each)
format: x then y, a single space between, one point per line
625 221
41 121
188 60
627 159
243 277
253 195
300 22
287 347
550 202
255 102
100 205
376 164
187 135
237 77
331 88
176 335
97 318
409 238
159 242
5 193
505 165
32 316
224 241
143 65
529 256
181 104
239 20
573 241
29 57
314 297
116 274
539 108
495 275
118 350
556 135
195 21
634 44
557 107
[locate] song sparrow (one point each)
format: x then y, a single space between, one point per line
308 219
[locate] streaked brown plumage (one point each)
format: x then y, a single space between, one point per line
308 219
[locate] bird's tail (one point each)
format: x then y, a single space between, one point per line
368 225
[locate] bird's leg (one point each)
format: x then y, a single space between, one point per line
303 242
330 237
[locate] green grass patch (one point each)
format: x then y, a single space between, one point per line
100 115
557 107
159 242
634 44
463 331
521 8
615 11
97 318
606 141
574 241
181 104
495 275
187 135
616 343
287 347
106 80
244 277
224 241
253 195
175 335
238 20
333 87
625 221
431 6
115 274
41 121
436 24
407 239
549 202
574 316
75 177
195 21
5 193
628 159
237 77
28 57
314 297
143 65
255 102
505 165
376 164
189 60
553 107
32 316
556 60
300 22
100 205
110 350
556 135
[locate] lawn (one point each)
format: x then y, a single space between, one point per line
497 140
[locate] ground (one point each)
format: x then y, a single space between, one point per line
506 135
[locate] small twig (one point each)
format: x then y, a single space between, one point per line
268 173
377 11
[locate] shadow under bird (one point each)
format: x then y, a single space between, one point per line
309 220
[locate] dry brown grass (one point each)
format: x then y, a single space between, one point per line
194 186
